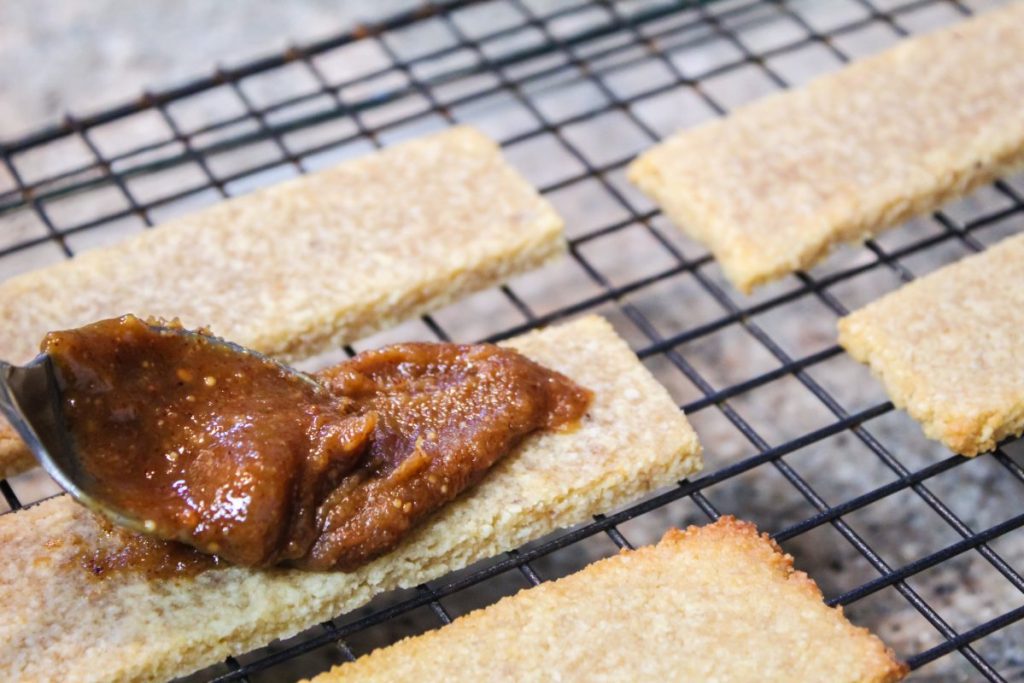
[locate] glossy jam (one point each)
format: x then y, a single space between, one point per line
232 454
121 550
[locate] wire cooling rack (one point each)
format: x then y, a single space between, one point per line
923 547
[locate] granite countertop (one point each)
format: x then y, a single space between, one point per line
59 56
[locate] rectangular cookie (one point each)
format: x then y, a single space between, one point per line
124 628
717 602
772 187
306 265
949 348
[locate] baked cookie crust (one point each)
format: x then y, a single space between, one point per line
774 186
306 265
949 348
126 627
718 602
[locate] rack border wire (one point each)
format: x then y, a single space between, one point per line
655 28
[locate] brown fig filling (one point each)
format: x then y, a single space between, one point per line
234 455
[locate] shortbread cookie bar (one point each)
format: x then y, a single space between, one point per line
949 348
771 188
127 627
715 603
306 265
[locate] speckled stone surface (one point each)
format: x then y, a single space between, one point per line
88 64
59 56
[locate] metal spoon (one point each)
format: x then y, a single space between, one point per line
31 399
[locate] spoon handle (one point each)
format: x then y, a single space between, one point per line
30 401
8 404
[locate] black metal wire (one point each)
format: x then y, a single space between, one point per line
652 32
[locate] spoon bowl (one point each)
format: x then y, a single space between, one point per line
31 398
